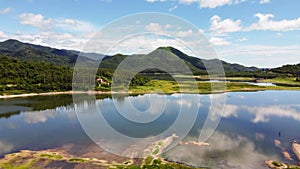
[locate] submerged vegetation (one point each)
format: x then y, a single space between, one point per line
59 159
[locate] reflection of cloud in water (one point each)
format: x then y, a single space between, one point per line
5 147
230 110
216 106
226 151
39 116
42 116
263 113
259 136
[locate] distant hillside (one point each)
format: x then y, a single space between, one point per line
170 53
197 62
62 57
36 53
293 70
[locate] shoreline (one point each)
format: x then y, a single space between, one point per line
10 96
51 93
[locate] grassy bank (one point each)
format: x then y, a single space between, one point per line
207 87
168 86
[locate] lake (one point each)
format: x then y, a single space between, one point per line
255 126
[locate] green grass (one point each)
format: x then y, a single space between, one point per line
160 143
148 160
11 165
55 156
188 86
206 78
214 87
168 166
289 81
277 164
155 151
157 161
80 160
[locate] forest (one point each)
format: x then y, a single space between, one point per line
20 76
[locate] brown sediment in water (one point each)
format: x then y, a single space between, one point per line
296 149
286 155
67 156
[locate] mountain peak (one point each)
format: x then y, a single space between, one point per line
11 41
168 48
10 45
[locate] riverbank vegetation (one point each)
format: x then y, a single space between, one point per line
18 77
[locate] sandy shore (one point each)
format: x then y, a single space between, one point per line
51 93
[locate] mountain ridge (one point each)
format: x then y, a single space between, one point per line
63 57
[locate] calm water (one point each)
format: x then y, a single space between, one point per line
251 124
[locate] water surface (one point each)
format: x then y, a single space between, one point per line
251 124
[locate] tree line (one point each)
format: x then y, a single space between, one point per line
17 75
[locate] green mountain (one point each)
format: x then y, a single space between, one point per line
171 56
293 70
36 53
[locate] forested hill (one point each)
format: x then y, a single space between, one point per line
24 77
36 53
195 64
293 70
32 68
61 57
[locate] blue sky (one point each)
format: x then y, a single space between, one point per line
262 33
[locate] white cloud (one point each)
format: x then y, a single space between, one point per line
168 26
36 20
242 39
185 33
71 25
265 22
6 10
264 1
217 41
260 55
70 22
214 3
146 44
3 35
211 3
66 24
53 39
153 27
188 2
201 31
219 26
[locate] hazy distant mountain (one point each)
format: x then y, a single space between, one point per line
31 52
